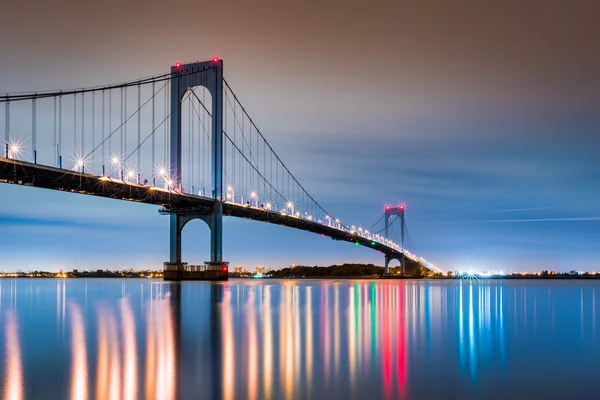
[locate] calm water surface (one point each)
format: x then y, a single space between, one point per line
271 339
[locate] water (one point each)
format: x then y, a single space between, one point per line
250 339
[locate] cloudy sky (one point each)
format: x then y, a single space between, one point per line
483 117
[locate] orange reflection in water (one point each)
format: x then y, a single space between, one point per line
118 361
165 366
13 378
129 348
79 372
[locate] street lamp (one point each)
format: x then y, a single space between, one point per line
254 196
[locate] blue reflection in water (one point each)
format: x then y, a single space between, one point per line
129 339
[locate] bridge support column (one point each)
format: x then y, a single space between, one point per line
215 269
184 78
387 264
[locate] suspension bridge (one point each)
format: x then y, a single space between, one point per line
182 141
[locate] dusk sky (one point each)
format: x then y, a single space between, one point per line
483 117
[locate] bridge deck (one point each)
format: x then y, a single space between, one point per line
46 177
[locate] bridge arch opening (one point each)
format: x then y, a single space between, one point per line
395 266
196 141
195 242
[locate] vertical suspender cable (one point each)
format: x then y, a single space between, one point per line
103 132
74 123
59 147
93 126
234 138
165 128
121 152
139 132
110 121
54 144
33 130
224 142
125 127
189 143
82 124
7 121
153 128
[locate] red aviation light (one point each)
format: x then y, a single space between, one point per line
177 65
387 207
401 207
215 59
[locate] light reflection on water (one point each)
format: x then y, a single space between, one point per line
129 339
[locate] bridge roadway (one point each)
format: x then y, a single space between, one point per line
46 177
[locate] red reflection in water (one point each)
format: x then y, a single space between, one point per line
384 316
401 343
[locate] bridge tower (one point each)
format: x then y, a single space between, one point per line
388 213
184 77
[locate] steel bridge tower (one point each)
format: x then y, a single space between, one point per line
388 213
184 77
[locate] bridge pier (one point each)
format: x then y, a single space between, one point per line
389 258
216 268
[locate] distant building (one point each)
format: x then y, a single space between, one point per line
238 269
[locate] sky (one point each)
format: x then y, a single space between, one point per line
482 117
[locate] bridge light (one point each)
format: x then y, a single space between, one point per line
14 149
401 207
372 243
388 207
253 195
357 244
268 205
115 160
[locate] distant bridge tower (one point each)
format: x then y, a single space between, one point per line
390 212
184 77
